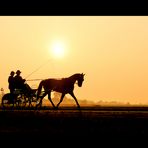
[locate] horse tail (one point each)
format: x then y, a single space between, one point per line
39 89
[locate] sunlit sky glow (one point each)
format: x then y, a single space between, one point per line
58 49
111 50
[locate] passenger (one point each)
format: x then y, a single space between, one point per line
11 82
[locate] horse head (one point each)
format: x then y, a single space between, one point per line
80 79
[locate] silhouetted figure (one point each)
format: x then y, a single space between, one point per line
18 80
64 86
11 82
20 83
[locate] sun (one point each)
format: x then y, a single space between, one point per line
58 49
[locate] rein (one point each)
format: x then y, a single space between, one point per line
34 79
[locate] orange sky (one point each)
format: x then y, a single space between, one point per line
111 50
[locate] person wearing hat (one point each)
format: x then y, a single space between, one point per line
11 82
19 81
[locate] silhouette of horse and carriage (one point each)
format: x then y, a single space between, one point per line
34 97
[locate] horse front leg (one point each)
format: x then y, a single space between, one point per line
72 94
62 96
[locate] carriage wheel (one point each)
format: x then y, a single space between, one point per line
33 101
21 101
27 101
7 101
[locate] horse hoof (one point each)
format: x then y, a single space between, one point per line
79 108
56 108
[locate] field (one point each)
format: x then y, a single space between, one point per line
107 122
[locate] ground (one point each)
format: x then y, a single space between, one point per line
87 123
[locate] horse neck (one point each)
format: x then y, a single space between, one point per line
74 78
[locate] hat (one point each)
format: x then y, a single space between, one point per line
18 72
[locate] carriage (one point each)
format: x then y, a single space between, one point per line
34 97
19 99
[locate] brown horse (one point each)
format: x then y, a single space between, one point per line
64 86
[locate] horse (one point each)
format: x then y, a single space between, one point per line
64 86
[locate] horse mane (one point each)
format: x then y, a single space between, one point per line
76 74
64 78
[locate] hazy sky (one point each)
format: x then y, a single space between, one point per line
111 50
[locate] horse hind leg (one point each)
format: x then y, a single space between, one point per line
41 98
39 104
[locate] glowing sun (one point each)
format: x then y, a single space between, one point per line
58 49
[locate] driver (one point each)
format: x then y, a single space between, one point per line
20 83
18 80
